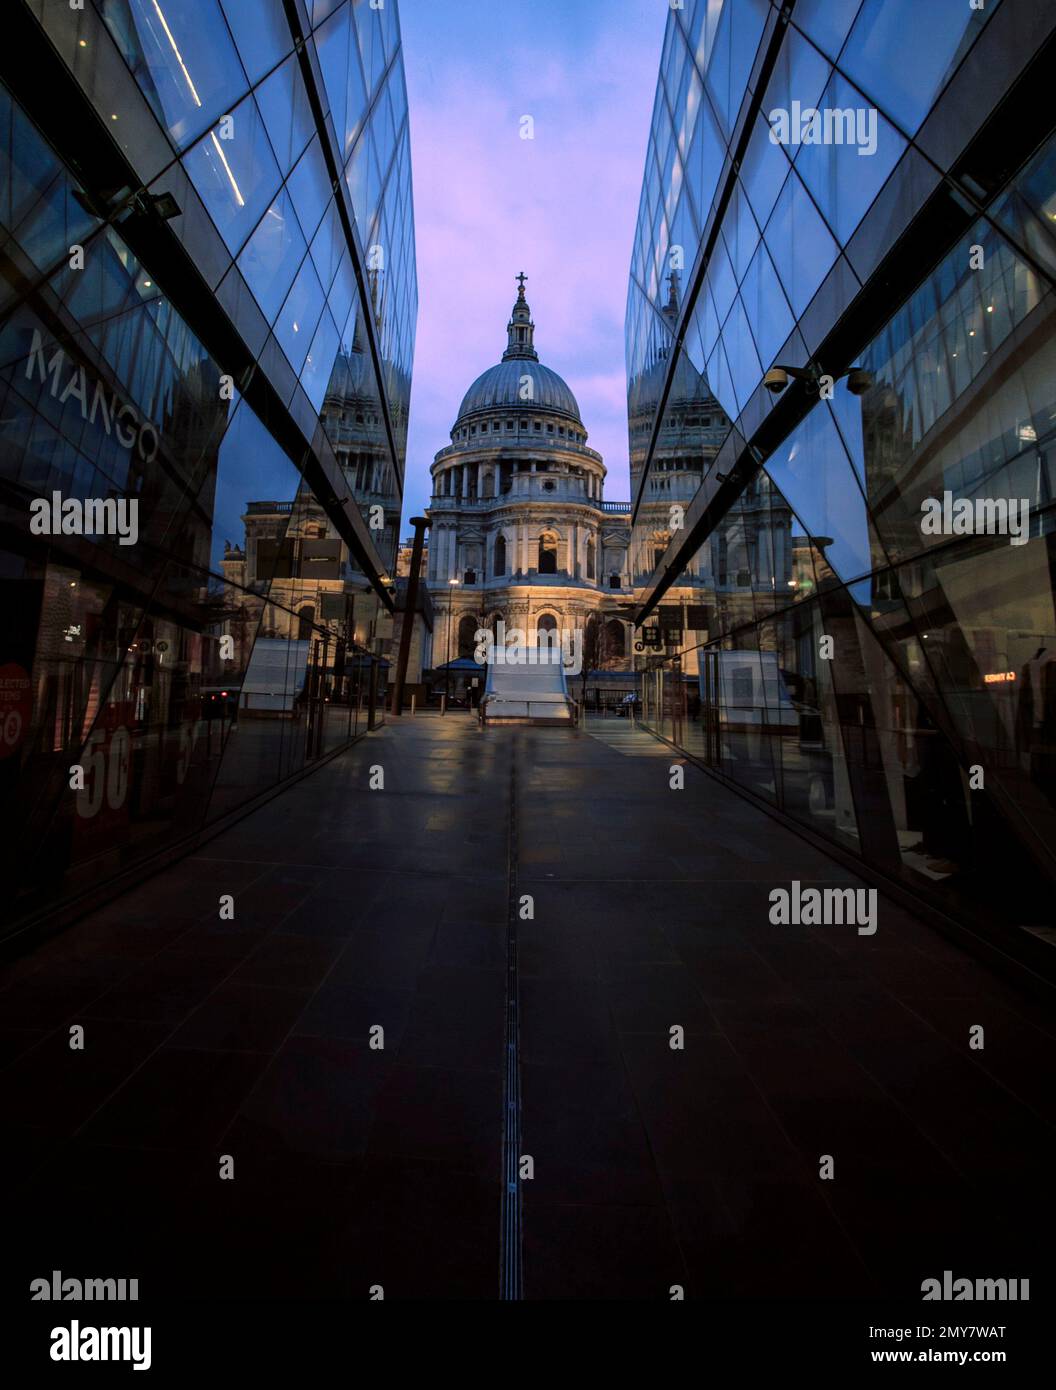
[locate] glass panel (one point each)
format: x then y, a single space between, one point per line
845 177
913 73
319 364
987 617
37 207
287 116
800 76
235 173
744 672
271 256
813 473
296 324
182 58
826 21
766 306
764 171
803 717
800 244
309 187
332 41
261 34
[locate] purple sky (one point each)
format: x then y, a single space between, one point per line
560 207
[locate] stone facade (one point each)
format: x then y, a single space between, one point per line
519 528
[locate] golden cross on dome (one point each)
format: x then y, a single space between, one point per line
521 279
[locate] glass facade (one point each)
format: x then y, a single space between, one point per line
207 329
869 543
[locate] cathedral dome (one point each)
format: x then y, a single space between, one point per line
501 386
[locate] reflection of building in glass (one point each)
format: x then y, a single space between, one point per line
717 587
231 351
293 551
888 688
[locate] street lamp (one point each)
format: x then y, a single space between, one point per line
450 622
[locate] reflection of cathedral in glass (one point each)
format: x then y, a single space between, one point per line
740 558
294 549
233 355
887 687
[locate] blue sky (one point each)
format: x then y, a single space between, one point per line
560 207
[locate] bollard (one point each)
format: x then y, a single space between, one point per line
443 704
414 703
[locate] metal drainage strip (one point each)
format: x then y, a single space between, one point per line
511 1274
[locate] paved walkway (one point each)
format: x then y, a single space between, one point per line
356 1167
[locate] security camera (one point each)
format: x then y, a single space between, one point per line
859 381
776 380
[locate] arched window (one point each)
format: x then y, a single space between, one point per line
590 558
615 639
546 632
547 553
467 635
547 623
305 617
499 567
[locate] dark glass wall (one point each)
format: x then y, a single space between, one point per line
210 399
890 684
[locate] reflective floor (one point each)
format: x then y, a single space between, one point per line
244 1046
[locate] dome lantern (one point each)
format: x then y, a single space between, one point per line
520 330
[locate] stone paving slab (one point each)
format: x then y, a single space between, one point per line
360 909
